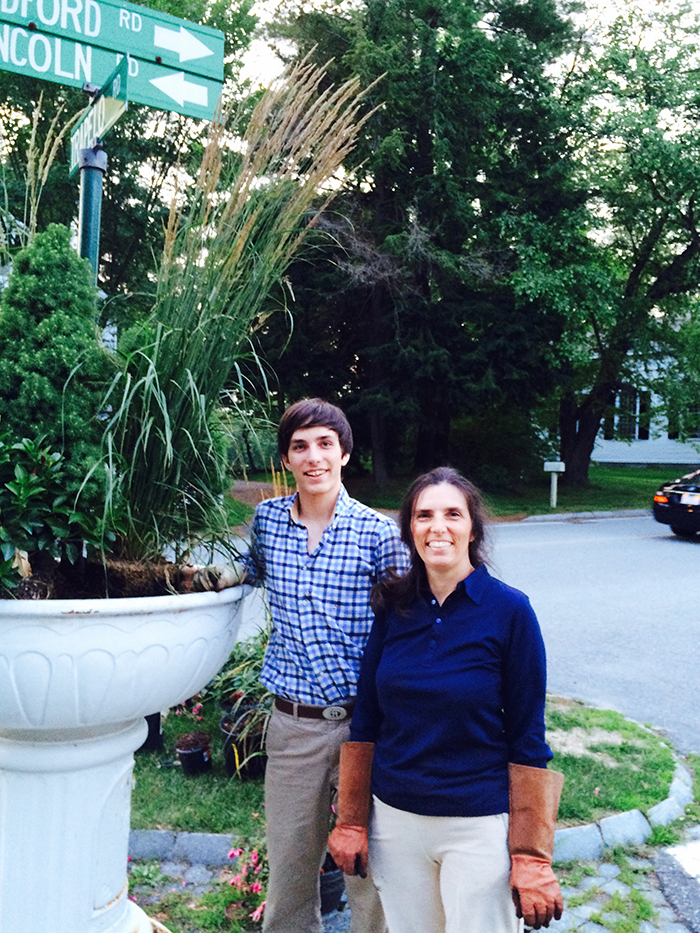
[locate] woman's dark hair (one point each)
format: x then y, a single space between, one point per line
399 592
313 413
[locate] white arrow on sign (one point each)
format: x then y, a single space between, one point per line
180 41
179 89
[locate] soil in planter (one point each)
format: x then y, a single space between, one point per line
88 579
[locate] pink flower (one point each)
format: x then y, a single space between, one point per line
257 868
258 912
253 857
237 882
596 792
234 853
256 887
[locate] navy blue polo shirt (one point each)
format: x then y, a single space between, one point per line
450 695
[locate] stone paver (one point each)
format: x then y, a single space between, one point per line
588 887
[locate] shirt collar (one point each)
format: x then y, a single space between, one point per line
475 584
342 506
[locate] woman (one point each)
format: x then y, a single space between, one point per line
449 726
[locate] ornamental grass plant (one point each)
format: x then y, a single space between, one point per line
254 199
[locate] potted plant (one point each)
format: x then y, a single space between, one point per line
247 706
77 676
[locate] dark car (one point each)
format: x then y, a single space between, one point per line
677 504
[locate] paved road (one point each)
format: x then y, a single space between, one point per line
619 604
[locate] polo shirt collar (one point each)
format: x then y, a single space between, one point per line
475 584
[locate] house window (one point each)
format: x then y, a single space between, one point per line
633 414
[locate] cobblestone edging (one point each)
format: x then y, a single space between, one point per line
630 828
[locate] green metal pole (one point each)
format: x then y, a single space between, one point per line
93 165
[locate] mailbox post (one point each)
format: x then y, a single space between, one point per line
554 468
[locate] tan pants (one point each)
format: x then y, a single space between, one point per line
300 783
442 874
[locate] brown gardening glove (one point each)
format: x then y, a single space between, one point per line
534 802
348 842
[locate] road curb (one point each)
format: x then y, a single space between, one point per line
629 828
589 516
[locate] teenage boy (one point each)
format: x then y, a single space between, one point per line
318 553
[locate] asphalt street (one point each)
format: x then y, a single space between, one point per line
618 600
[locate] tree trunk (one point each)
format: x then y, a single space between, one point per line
380 470
578 428
432 443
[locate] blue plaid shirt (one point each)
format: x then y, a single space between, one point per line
320 601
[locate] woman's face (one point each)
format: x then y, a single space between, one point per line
441 526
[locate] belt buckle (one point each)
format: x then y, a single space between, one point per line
335 713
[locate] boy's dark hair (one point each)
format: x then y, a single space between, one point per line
313 413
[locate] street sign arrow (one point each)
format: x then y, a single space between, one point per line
51 58
182 91
119 26
182 42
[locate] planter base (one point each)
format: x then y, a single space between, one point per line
76 680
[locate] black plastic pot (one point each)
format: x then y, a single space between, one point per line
154 739
196 759
332 884
243 751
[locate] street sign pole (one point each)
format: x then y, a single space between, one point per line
93 165
88 155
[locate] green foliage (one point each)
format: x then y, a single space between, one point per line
37 517
663 836
238 681
145 149
146 874
53 371
422 325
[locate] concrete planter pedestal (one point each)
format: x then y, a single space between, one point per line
76 679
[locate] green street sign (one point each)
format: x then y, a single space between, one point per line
121 27
52 58
105 110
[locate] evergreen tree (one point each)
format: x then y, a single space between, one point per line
54 372
418 309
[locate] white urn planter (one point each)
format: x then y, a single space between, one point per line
76 679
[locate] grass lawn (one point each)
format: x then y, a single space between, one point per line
611 487
611 765
165 798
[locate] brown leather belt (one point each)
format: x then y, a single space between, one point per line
336 712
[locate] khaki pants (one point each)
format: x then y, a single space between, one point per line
442 874
300 784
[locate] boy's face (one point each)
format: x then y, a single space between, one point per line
315 459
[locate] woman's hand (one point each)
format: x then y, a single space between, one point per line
536 893
350 850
